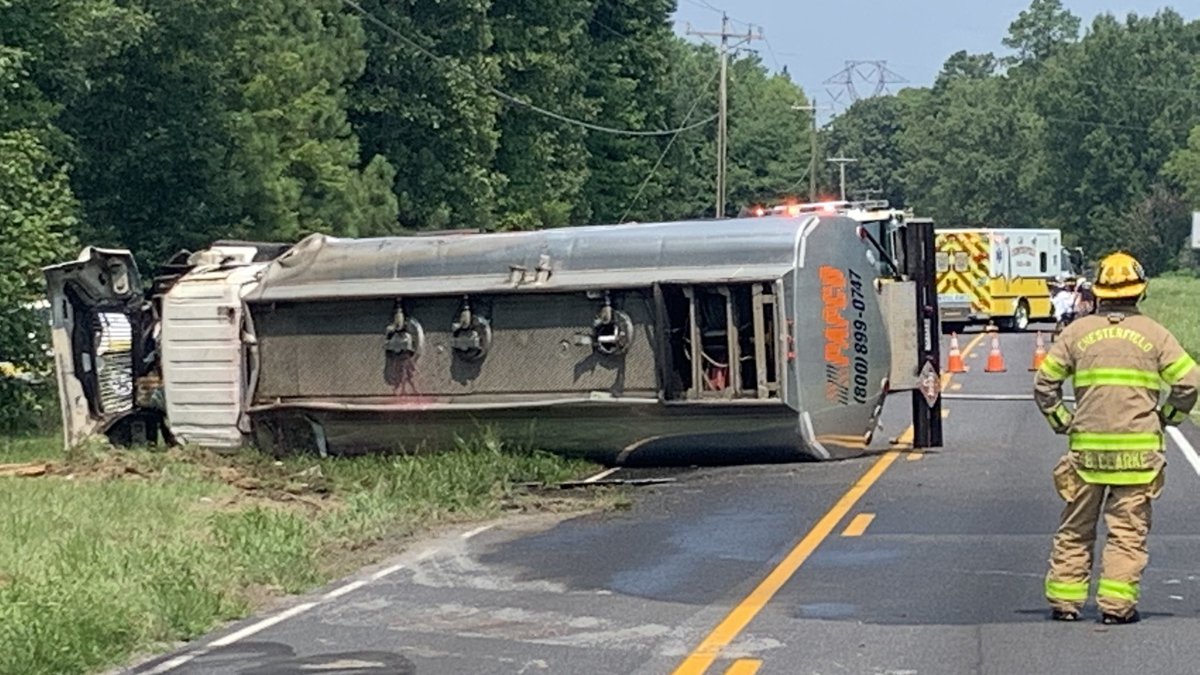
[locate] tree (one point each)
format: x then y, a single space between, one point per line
37 217
1184 168
769 142
153 135
869 131
1157 230
688 170
423 103
293 151
1113 116
542 161
964 65
628 58
49 52
965 153
1038 32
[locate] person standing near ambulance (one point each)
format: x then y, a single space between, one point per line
1064 303
1117 360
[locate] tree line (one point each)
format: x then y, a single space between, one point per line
160 125
1094 131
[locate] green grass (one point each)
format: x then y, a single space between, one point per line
118 553
1175 302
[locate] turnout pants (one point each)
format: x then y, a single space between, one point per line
1126 510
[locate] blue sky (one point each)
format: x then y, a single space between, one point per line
815 39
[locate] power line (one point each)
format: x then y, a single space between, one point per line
723 98
666 150
812 159
771 51
704 4
608 28
513 99
1114 125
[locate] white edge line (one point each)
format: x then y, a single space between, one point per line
262 625
385 572
479 530
246 632
339 592
1188 451
172 664
602 475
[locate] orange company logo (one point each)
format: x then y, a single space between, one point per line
837 334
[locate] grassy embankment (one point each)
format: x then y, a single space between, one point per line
1175 302
114 553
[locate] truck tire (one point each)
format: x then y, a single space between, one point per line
1019 321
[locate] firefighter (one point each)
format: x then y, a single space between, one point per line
1117 359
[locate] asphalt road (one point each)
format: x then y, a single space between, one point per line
899 564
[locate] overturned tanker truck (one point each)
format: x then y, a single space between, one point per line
777 334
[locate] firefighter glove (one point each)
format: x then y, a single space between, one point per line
1059 419
1170 416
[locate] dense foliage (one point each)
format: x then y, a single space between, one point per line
1095 131
163 124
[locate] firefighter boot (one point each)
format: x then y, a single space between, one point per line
1113 619
1064 615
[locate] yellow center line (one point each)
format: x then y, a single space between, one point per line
703 656
744 667
858 525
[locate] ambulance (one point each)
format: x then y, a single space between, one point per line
1000 276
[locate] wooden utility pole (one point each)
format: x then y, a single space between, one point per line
723 99
812 158
842 162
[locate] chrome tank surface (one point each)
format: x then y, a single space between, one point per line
407 343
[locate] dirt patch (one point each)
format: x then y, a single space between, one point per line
29 470
252 481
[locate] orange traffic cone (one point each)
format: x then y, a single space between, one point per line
1039 354
954 362
995 362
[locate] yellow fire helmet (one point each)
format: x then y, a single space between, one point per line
1120 276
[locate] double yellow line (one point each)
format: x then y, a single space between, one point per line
703 656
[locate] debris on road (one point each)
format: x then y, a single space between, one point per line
27 470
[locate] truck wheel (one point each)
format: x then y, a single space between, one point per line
1020 319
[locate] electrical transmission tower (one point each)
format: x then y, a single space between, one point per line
874 75
723 117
